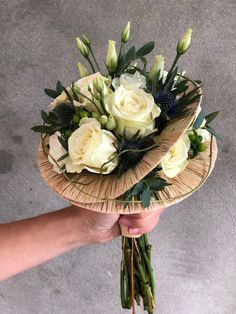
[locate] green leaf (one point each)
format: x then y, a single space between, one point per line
198 122
212 131
44 116
68 94
198 82
63 142
156 183
211 116
63 157
59 87
146 197
130 55
138 188
51 93
145 49
44 129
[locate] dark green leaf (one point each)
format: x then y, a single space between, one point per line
212 131
198 122
211 116
146 197
59 87
51 93
145 49
156 183
63 142
44 129
138 188
130 55
198 82
68 94
44 116
63 157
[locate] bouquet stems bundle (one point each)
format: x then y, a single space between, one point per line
136 277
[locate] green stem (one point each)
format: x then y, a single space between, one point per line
174 63
91 64
92 101
90 49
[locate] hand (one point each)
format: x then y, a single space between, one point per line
141 223
97 227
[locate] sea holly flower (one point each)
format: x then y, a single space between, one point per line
111 59
91 148
184 42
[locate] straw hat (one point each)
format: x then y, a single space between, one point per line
101 192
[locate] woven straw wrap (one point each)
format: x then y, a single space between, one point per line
100 192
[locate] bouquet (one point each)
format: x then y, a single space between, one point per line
131 139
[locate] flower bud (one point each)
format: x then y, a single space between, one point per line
111 59
96 115
82 48
83 72
84 114
126 33
103 120
99 84
85 40
201 147
184 42
76 119
158 66
111 123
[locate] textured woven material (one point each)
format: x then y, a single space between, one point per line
98 192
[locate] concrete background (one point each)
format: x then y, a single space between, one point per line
194 243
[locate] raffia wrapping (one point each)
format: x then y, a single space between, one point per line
100 192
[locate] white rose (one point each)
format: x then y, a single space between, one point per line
176 160
133 109
55 152
90 147
130 81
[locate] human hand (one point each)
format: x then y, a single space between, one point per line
96 227
141 223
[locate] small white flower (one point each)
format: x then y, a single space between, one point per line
55 152
175 161
90 148
133 109
130 81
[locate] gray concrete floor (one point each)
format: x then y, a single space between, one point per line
194 243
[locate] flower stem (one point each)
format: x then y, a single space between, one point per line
91 64
90 49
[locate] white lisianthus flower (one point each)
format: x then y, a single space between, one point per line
133 109
90 148
130 81
55 152
175 161
83 85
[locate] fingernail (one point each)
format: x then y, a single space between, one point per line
134 230
124 222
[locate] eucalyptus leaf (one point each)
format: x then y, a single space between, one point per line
212 131
211 116
44 116
51 93
146 197
63 142
198 122
145 49
59 87
63 157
